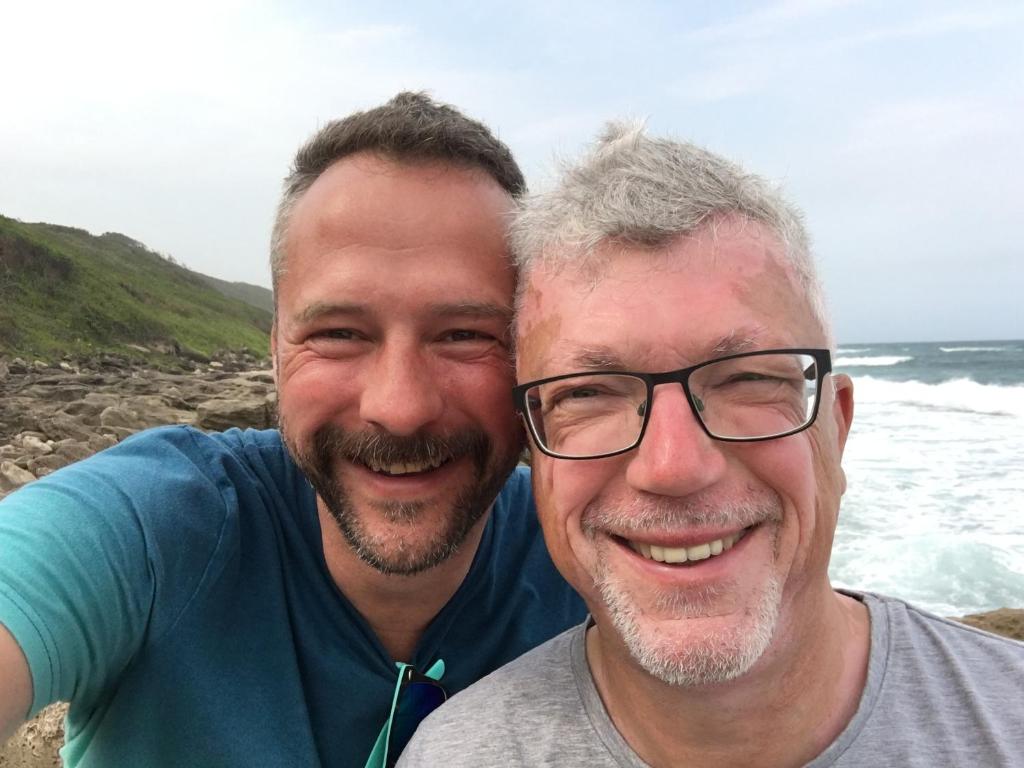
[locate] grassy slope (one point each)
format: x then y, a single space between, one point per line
250 294
64 290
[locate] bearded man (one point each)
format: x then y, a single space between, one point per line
292 597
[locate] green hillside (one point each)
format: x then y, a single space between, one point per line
63 290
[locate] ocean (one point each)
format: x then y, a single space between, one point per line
934 508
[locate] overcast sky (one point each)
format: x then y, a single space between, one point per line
897 126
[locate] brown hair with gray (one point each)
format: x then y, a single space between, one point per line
410 128
640 191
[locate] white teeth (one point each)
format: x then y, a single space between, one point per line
674 554
700 552
685 554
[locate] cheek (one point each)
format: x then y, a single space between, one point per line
563 489
315 393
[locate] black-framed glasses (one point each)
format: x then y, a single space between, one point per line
416 695
739 398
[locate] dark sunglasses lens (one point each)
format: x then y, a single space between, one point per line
415 701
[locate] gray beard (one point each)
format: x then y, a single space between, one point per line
716 657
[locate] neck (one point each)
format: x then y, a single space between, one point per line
786 710
397 608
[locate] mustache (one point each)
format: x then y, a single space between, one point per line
657 513
380 448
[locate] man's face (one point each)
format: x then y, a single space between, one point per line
770 507
391 354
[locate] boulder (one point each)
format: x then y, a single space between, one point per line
119 416
221 414
13 477
60 426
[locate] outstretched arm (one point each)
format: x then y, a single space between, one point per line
15 685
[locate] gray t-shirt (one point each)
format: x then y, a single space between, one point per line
938 693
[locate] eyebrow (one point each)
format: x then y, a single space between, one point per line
596 358
734 343
463 309
604 358
483 310
319 309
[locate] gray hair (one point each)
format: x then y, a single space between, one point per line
410 128
639 191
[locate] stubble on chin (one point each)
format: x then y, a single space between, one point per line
688 638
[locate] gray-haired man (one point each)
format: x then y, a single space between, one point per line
687 433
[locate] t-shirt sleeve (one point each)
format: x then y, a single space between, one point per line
101 557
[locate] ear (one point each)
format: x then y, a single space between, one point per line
842 407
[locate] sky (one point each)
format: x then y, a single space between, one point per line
898 127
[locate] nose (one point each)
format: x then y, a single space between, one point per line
676 457
400 394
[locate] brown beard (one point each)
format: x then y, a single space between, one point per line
376 447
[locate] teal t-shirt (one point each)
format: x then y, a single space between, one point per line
174 589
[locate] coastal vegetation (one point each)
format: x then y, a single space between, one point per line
66 292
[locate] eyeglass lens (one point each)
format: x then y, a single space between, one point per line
755 396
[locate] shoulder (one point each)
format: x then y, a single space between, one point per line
948 670
915 630
494 717
938 692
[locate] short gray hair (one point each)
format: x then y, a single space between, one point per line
644 192
410 128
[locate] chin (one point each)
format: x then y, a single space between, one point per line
677 642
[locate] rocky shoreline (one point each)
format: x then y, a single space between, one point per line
52 414
55 413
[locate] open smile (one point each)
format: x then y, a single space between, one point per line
678 555
407 468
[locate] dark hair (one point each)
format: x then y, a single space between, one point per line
411 127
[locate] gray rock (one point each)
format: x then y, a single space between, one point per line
13 477
44 465
74 450
60 426
32 445
119 416
91 406
220 414
101 442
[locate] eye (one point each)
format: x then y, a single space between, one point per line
339 334
465 334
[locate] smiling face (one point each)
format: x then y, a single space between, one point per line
391 354
755 520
